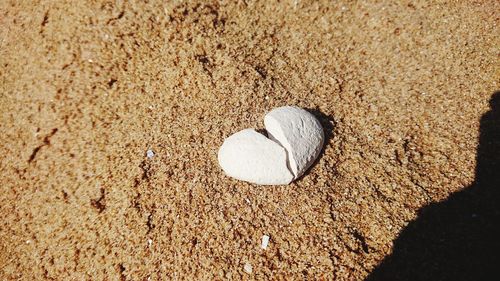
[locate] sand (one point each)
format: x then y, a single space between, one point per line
88 87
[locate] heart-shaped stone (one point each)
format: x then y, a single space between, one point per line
295 141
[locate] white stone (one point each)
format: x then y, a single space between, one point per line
250 156
299 132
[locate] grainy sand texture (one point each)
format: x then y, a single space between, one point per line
404 188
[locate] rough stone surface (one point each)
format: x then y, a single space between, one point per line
250 156
299 132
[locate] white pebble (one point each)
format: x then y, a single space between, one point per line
265 242
150 153
248 268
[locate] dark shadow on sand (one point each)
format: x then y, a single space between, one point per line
459 238
326 121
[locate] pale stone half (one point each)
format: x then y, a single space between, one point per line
299 132
250 156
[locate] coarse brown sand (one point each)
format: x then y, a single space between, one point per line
87 87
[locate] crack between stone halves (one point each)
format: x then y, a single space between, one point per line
271 137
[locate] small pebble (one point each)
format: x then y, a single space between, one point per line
150 153
265 242
248 268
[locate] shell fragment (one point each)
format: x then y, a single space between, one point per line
265 242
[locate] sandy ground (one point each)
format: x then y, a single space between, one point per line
87 87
